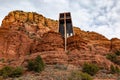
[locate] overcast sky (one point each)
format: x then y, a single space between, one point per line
102 16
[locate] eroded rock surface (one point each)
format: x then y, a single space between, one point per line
25 35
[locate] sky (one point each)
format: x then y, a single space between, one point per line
102 16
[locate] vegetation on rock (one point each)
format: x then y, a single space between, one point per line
114 57
117 52
78 75
9 71
36 65
114 69
22 32
90 68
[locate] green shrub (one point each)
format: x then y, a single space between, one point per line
91 69
30 65
6 71
114 58
117 70
9 71
18 71
78 75
114 69
117 52
36 65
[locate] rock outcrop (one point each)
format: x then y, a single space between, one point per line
29 22
115 44
51 57
76 42
13 44
88 35
25 35
50 41
78 58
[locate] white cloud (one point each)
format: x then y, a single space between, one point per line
91 15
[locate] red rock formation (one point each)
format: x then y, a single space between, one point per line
115 44
89 35
13 44
76 42
50 41
30 22
75 57
51 57
20 29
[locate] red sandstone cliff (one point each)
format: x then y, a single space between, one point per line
29 33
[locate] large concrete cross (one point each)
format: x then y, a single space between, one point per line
65 26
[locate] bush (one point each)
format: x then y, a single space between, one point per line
117 70
91 69
18 71
36 65
9 71
114 58
114 70
6 71
77 75
117 52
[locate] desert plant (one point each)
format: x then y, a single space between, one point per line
90 68
36 65
114 69
117 52
117 70
30 65
18 71
6 71
114 58
9 71
78 75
